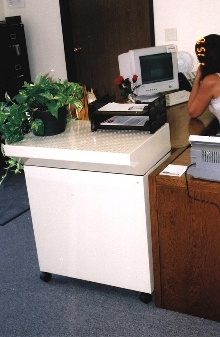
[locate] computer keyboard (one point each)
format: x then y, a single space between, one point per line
177 97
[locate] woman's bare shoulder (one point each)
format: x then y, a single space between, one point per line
212 83
211 78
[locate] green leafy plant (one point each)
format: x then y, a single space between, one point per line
13 121
12 165
16 114
46 94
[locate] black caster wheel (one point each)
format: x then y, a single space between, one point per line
46 277
145 298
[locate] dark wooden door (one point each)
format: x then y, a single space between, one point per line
100 30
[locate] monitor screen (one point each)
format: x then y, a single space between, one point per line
156 68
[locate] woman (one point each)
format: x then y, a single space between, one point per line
206 87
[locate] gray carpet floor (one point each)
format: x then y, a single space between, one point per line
69 307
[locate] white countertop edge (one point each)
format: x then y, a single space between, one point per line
67 155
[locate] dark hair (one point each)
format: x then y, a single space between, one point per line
208 53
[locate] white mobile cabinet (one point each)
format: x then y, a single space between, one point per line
88 194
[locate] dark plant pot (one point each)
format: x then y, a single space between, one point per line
52 125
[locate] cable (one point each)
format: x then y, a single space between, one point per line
197 199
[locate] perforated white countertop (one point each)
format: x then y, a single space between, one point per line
117 151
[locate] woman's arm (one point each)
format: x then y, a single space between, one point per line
201 94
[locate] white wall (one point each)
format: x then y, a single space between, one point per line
2 14
43 33
192 19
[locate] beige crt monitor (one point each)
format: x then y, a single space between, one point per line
156 68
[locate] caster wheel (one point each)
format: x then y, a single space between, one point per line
46 277
145 298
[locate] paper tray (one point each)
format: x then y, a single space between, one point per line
150 119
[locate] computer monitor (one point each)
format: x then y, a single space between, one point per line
156 68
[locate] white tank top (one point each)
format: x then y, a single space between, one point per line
214 106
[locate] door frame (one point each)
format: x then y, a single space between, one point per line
67 39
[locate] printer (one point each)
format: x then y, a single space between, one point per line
205 157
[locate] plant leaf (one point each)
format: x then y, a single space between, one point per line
38 127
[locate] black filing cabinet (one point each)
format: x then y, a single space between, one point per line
14 67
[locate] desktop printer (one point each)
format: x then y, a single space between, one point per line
149 116
205 155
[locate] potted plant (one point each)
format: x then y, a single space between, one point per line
42 107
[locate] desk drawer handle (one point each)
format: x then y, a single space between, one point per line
13 36
17 67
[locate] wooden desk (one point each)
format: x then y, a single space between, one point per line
185 242
181 125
